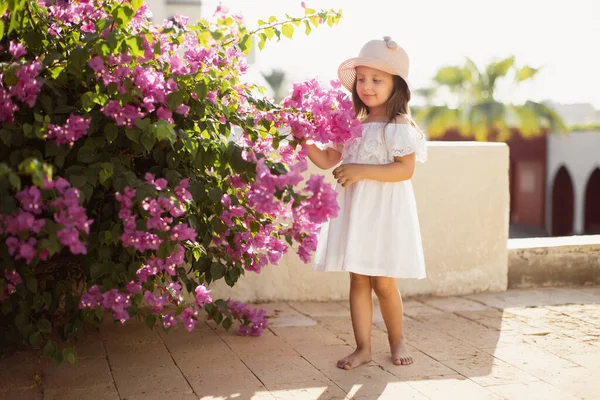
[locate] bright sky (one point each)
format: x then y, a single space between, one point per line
561 37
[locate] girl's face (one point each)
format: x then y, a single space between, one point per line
374 87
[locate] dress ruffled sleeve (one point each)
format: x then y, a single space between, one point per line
403 139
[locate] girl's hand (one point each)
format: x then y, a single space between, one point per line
347 174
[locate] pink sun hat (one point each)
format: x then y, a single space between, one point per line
384 55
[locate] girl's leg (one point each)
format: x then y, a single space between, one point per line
390 303
361 310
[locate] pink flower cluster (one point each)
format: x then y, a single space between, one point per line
161 212
112 300
331 113
13 278
255 321
25 90
74 129
81 13
70 215
67 212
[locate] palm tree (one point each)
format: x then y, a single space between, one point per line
479 114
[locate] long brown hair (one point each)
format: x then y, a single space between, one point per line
396 105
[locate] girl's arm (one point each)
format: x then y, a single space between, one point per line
323 159
401 169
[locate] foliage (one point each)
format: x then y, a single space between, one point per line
479 113
136 167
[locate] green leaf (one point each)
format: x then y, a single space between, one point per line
1 29
78 180
147 140
15 181
201 90
50 348
174 99
69 355
217 271
270 32
309 11
150 321
86 155
111 131
135 45
246 44
44 326
78 60
136 4
122 15
36 340
133 135
526 73
308 29
32 284
227 323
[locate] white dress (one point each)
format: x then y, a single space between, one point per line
377 231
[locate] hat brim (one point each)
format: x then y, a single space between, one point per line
347 70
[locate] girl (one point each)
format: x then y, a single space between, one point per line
376 236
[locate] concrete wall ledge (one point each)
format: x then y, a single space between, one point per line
556 261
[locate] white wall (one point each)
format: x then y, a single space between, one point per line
579 152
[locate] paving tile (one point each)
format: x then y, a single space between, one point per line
457 385
423 367
454 304
297 370
317 309
530 390
538 362
307 334
486 370
87 372
165 380
21 394
20 370
325 391
391 391
579 381
101 392
148 355
222 386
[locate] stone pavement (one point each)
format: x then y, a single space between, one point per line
521 344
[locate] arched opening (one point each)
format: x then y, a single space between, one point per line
562 204
592 204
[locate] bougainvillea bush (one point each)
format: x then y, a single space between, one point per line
135 167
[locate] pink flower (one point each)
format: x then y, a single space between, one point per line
183 109
202 295
156 303
7 107
164 113
183 232
12 276
31 199
169 320
22 250
181 191
212 96
16 49
75 128
187 315
27 87
133 287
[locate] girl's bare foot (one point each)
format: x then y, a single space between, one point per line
400 353
359 357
